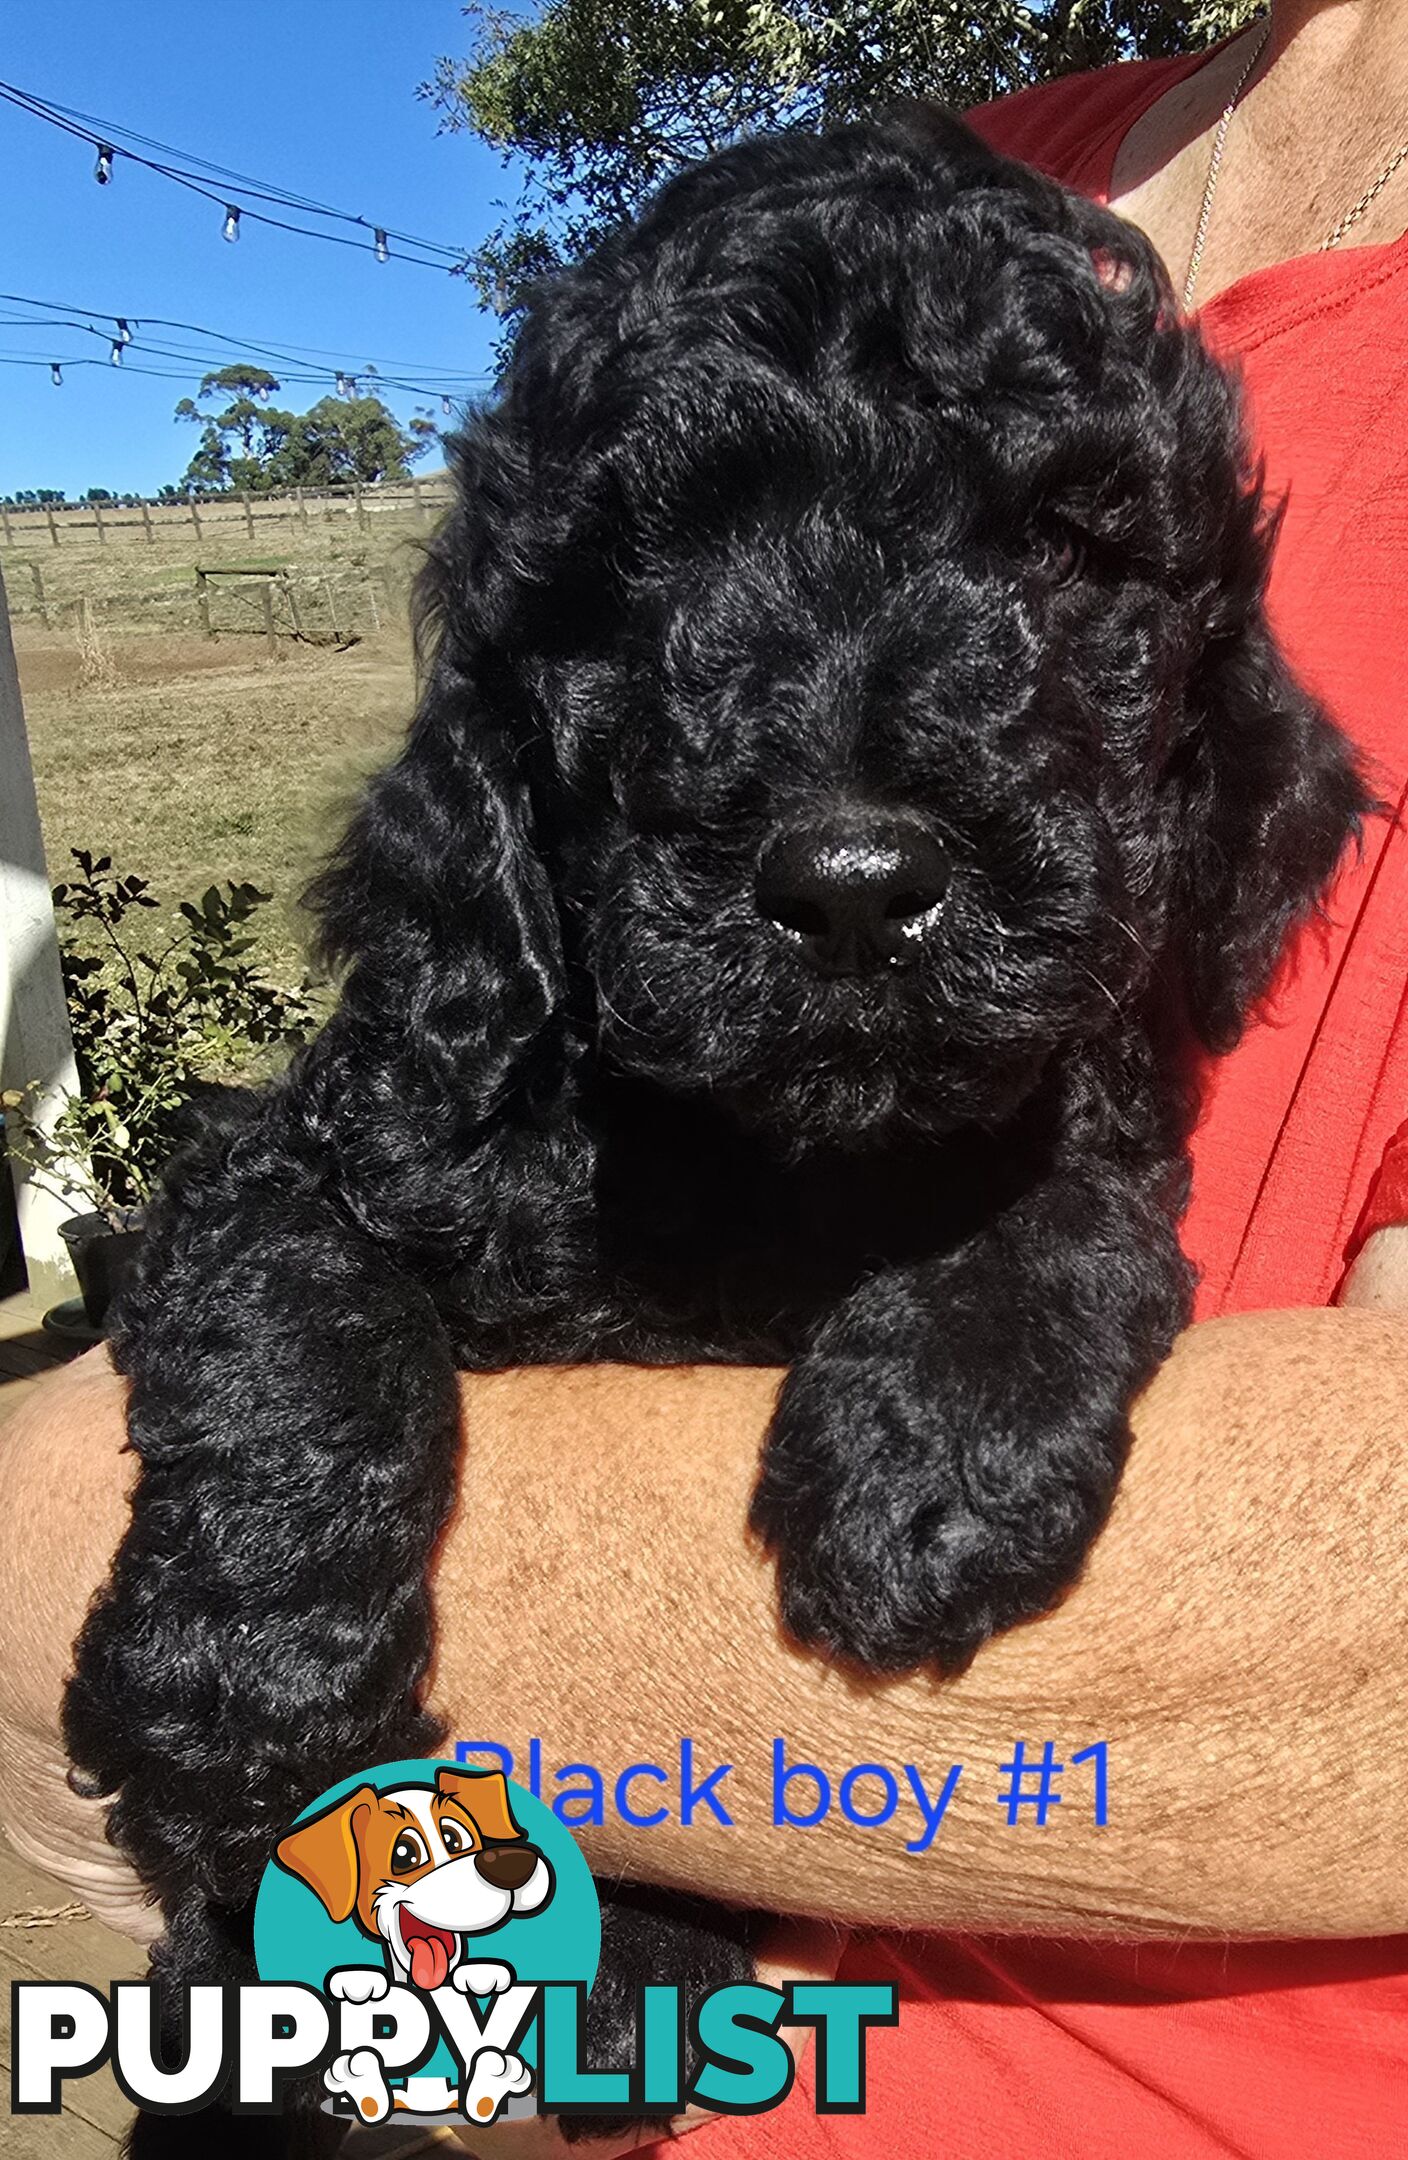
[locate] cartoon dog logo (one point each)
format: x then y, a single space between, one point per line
423 1870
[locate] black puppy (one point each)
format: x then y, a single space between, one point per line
853 773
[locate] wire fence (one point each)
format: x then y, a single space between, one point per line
336 603
420 501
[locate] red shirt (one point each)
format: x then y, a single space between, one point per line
1023 2050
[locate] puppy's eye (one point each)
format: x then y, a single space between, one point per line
453 1838
408 1852
1060 551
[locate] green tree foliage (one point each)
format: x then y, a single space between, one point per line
594 102
258 447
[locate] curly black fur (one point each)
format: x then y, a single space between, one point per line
866 472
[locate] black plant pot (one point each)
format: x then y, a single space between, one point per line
103 1257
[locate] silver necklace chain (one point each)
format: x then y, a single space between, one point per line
1219 143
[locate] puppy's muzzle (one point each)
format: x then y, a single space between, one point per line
853 889
507 1867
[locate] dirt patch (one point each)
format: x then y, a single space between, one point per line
50 660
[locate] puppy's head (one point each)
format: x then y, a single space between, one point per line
422 1868
852 683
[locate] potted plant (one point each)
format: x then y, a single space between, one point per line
151 1032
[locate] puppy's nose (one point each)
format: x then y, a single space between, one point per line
854 889
507 1867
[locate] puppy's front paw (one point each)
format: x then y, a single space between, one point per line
913 1515
484 1979
359 1984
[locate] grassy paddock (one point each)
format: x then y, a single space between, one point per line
190 760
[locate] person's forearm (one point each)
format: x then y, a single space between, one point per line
1238 1640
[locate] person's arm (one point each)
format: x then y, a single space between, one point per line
1238 1640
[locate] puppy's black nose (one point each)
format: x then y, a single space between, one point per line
854 888
507 1867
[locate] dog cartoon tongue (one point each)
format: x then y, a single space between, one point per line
429 1949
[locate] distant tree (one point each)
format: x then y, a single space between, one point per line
597 101
99 495
257 447
236 444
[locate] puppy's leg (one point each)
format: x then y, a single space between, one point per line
947 1449
654 1935
266 1625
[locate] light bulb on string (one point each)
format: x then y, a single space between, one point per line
383 252
115 355
56 375
230 230
102 170
445 405
124 332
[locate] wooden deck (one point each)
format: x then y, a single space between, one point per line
46 1934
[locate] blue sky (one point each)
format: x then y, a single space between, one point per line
316 95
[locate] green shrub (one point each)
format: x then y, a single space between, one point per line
149 1031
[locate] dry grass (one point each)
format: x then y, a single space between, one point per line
190 760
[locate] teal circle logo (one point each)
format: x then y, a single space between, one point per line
419 1886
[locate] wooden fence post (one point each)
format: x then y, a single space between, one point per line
41 598
195 517
53 528
293 612
302 507
420 503
5 515
147 521
276 651
203 602
248 512
98 518
362 518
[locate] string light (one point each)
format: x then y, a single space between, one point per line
298 363
135 345
203 177
230 230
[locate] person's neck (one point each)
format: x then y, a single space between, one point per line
1322 110
1370 36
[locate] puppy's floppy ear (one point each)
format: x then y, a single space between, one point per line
1272 796
484 1794
438 900
324 1852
